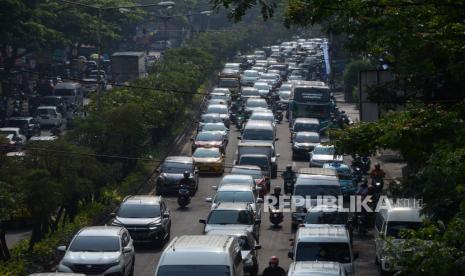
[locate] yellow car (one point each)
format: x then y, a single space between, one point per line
209 160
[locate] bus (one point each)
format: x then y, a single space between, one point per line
310 99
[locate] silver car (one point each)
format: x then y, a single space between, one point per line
99 250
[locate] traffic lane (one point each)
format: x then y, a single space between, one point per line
275 240
185 221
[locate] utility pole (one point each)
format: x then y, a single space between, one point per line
99 57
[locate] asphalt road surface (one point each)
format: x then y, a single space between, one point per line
274 241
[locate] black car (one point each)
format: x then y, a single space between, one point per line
171 172
146 218
28 125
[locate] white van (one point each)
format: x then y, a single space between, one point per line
388 224
316 269
201 255
329 243
314 182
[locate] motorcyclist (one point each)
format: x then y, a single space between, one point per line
277 194
186 182
288 175
274 269
363 189
377 172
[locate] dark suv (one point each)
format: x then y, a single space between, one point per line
171 172
28 125
147 218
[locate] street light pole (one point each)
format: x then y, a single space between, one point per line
99 56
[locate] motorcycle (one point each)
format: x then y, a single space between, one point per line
361 221
366 164
240 121
184 197
279 116
276 216
288 186
358 174
378 184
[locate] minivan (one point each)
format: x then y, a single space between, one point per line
259 131
329 243
201 255
389 223
314 182
71 92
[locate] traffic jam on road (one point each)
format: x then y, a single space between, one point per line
216 208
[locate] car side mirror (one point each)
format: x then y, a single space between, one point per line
127 250
276 139
258 221
192 139
112 215
209 200
259 200
258 247
239 137
61 248
214 187
166 214
290 255
277 155
356 255
202 221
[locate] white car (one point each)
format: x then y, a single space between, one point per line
233 193
13 134
49 116
249 77
263 88
99 250
324 154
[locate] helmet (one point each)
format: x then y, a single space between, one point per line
289 167
377 166
186 174
274 260
277 190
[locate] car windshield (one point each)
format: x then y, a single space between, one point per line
256 174
323 252
46 111
301 138
64 92
250 92
230 217
324 150
306 127
257 103
256 161
183 270
139 211
321 217
234 196
230 83
268 77
316 190
217 109
258 134
209 136
262 117
176 167
211 119
219 97
95 244
206 153
251 73
214 127
261 86
395 228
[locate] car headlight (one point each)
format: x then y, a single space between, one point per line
116 223
154 226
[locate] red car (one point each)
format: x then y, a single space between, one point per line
208 139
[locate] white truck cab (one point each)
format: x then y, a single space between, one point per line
389 224
201 255
329 243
